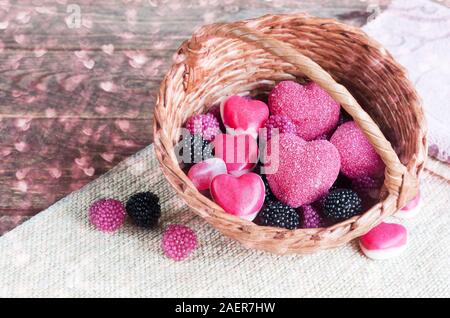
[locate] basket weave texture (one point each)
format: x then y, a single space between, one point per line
250 57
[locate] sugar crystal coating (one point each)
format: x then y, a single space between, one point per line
358 157
309 107
306 170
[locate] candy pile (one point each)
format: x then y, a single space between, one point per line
298 161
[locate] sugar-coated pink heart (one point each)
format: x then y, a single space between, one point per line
358 156
239 152
202 173
309 107
240 196
306 170
244 115
384 241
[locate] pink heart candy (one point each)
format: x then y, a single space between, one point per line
358 156
411 209
306 170
203 172
239 152
309 107
384 241
240 196
244 115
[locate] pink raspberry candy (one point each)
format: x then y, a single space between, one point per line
310 218
178 242
282 123
215 111
205 125
107 215
304 171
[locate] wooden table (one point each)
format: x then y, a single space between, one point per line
78 83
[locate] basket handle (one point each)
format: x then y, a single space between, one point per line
396 173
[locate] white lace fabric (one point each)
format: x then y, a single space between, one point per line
417 33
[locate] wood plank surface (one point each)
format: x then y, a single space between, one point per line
77 91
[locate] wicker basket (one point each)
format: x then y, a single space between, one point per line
250 57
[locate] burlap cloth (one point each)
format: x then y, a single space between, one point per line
57 253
